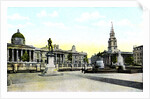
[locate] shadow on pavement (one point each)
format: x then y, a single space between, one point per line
138 85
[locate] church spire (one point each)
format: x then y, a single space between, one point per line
112 29
112 42
111 25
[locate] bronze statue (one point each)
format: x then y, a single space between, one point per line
50 46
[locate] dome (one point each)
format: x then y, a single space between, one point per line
18 38
18 34
73 48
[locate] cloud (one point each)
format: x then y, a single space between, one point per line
123 22
43 13
53 24
81 27
16 16
88 16
29 24
101 23
10 26
20 25
54 14
132 35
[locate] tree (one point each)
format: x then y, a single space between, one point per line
114 59
129 60
99 54
86 59
25 56
69 57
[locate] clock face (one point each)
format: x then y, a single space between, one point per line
18 41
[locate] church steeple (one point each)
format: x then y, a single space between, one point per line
112 43
112 33
112 29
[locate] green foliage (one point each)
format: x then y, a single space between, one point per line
114 59
99 54
69 57
86 59
25 56
129 60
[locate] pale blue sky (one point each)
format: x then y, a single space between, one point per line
81 26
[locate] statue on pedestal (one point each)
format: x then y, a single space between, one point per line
50 46
50 67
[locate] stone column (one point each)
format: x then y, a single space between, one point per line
72 59
63 58
56 58
60 58
21 55
109 60
29 55
12 55
7 54
39 57
33 56
17 55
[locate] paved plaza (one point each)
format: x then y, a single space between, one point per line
75 81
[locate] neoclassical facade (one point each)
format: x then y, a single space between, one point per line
138 55
61 56
17 48
36 57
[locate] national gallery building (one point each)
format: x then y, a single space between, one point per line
22 57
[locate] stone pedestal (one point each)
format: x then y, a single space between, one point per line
50 67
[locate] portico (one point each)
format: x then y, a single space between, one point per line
15 55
